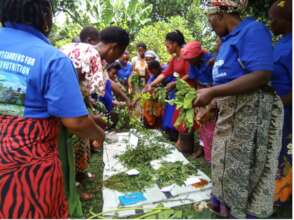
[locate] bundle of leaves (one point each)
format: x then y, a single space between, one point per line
136 81
99 107
123 118
136 122
185 96
142 97
176 172
160 95
127 119
143 154
122 182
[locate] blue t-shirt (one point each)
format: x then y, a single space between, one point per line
107 99
248 48
282 74
36 79
166 81
124 72
203 73
151 79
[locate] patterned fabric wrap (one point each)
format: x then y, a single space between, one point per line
152 112
283 189
226 6
31 177
206 136
82 149
246 145
87 61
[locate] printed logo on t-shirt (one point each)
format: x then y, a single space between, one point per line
14 70
215 72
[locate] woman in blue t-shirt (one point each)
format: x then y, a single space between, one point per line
281 24
248 131
200 72
125 70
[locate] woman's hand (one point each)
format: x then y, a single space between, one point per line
84 127
97 145
170 86
211 62
147 88
204 97
201 113
245 84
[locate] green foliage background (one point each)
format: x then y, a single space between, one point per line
154 35
147 20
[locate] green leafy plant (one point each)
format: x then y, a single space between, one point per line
176 172
123 118
156 98
185 96
142 97
160 95
169 173
131 15
186 117
136 123
143 154
127 119
122 182
200 27
139 158
136 81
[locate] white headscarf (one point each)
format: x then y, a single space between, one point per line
151 53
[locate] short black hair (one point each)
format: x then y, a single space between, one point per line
176 36
115 65
31 12
115 35
89 32
142 45
154 64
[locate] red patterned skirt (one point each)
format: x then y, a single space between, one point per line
31 177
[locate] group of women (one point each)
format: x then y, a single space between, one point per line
43 96
46 93
246 87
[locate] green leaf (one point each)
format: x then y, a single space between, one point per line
179 120
151 217
188 100
173 173
189 118
177 215
166 214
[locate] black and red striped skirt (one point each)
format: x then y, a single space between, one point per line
31 177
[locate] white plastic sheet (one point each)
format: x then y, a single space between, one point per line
169 197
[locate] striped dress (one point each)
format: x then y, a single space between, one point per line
31 178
